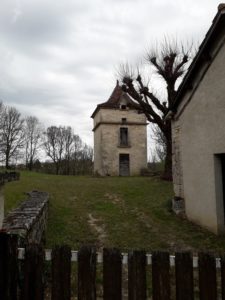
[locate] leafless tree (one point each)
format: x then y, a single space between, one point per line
11 134
67 151
86 159
69 139
160 143
76 153
32 136
1 107
1 126
169 60
54 145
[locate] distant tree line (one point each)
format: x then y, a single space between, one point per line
24 140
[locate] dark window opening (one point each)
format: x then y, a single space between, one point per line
123 136
123 106
124 120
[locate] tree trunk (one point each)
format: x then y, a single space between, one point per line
7 162
68 166
57 167
167 174
30 166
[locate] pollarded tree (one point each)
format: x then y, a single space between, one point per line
170 63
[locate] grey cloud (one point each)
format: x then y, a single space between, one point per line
59 58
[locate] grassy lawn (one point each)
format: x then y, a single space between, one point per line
132 212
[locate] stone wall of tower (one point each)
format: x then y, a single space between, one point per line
107 124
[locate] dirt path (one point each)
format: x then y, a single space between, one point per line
96 226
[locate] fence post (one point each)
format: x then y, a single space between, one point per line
112 274
184 276
33 286
8 266
207 277
223 276
61 273
161 276
86 273
137 275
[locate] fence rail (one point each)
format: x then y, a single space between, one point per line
211 281
99 257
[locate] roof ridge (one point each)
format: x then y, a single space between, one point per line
113 101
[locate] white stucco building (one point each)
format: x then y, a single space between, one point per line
198 128
120 138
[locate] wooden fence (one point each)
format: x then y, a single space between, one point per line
158 267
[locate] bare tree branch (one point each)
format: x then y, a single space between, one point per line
32 140
11 133
169 60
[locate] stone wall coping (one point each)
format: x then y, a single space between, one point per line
23 217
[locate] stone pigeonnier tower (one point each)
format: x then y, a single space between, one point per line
120 138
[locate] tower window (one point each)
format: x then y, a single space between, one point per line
123 136
124 120
123 106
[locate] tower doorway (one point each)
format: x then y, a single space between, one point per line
124 165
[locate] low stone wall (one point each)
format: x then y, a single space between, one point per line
9 176
29 220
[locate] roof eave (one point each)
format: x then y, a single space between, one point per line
197 60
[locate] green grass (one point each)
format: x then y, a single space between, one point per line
131 212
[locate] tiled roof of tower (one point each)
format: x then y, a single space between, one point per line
114 100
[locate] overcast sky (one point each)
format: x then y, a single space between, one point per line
59 58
